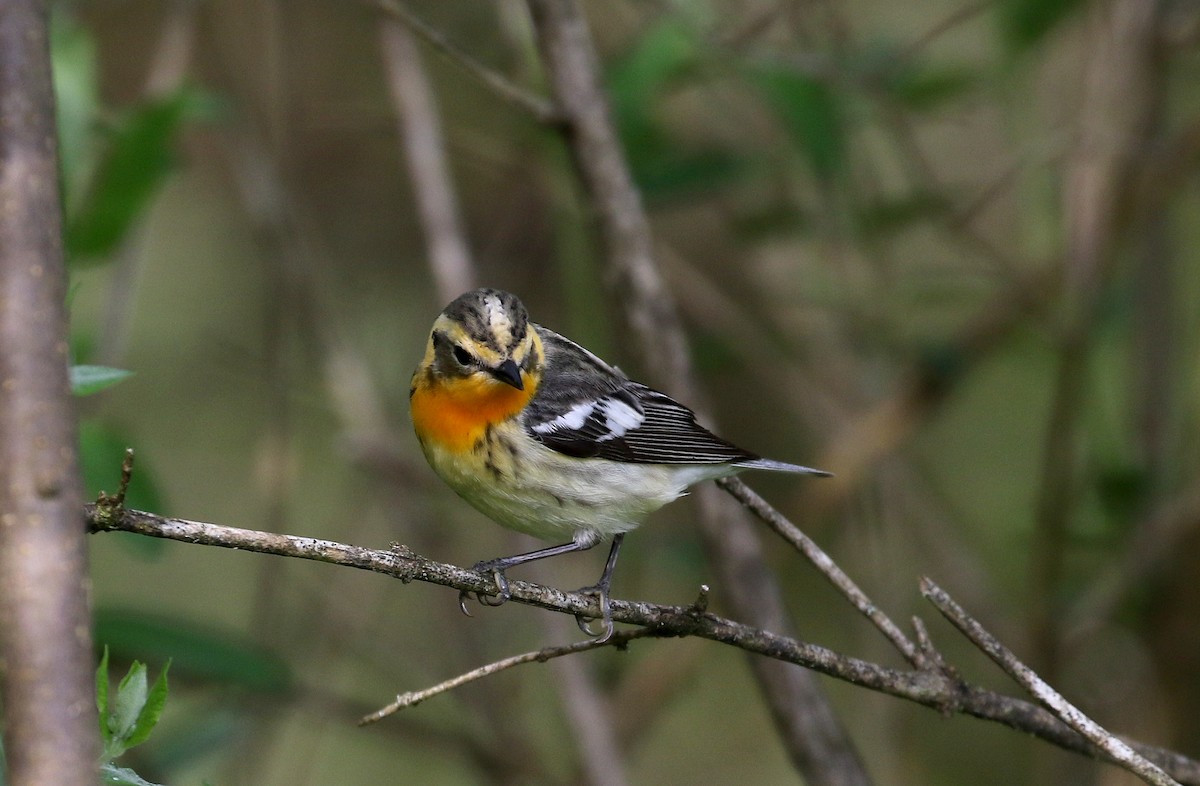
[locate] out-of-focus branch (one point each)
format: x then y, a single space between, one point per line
421 137
176 44
810 731
936 688
1112 123
542 110
45 625
574 74
588 710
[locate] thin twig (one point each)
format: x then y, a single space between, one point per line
932 655
926 687
112 505
827 567
542 110
413 698
1117 751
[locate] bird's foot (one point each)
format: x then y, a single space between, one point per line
502 592
584 622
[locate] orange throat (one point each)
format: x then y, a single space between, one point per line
456 414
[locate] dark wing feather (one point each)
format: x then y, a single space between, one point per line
586 408
670 435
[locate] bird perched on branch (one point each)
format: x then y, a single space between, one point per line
546 438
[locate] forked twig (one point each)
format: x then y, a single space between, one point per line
1119 752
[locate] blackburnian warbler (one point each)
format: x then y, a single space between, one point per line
546 438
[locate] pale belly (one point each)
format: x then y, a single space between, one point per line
551 496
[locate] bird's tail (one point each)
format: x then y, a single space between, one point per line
772 465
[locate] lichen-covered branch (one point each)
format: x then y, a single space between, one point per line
933 687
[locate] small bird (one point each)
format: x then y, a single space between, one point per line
545 438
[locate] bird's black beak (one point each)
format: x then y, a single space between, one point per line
508 373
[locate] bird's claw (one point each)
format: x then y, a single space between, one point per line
502 591
607 629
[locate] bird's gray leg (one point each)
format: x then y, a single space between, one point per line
601 590
497 567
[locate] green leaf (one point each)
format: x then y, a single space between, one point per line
195 651
121 776
131 698
811 112
73 52
1024 23
135 710
637 79
674 173
102 699
151 711
138 158
86 380
663 166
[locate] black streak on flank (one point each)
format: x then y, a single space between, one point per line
510 449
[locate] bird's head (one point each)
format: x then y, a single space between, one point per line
484 338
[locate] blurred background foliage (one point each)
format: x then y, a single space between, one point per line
945 250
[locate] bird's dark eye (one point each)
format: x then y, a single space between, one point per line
462 356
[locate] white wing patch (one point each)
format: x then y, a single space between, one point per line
619 418
573 419
612 417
